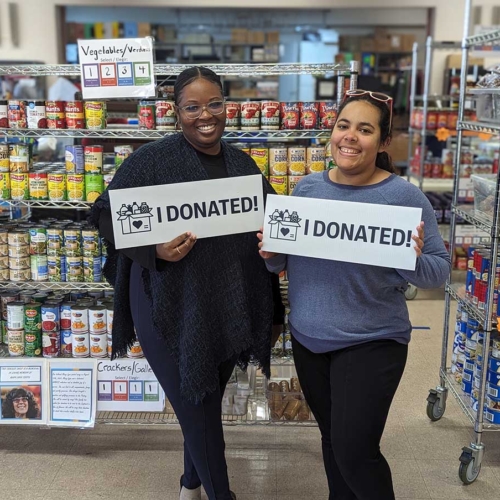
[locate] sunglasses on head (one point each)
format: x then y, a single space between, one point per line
377 96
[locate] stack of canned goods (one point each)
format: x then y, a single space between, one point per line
156 114
19 254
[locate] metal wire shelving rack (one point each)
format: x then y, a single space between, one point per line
472 455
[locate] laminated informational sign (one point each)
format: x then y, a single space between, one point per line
158 214
128 385
363 233
113 68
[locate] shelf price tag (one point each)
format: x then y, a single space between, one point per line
115 68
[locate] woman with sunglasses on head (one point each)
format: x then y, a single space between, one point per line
350 324
20 403
198 307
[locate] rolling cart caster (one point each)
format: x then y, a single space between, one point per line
470 463
436 403
411 292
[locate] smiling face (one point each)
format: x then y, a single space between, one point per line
21 406
355 139
203 133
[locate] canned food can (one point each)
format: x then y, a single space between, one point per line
16 252
39 268
74 160
92 272
97 319
19 183
65 315
442 118
3 332
4 186
109 319
297 161
261 157
80 344
293 180
57 186
78 295
278 160
72 241
50 317
56 117
74 270
36 116
4 235
4 158
51 344
75 187
279 183
33 343
17 114
327 114
250 115
55 242
110 345
135 351
5 299
15 341
107 178
233 114
15 315
40 297
4 250
18 237
122 152
290 115
66 344
79 319
309 114
4 114
165 115
54 268
95 115
315 159
91 242
38 240
19 262
146 115
4 261
94 187
75 116
98 345
432 116
270 115
38 186
19 157
452 119
93 156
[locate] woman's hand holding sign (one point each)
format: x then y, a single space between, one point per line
263 253
177 249
419 240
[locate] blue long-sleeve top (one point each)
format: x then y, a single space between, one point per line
338 304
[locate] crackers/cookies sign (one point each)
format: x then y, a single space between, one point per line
363 233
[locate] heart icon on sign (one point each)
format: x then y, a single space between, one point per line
137 224
284 231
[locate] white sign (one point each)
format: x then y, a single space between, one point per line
128 385
363 233
116 68
158 214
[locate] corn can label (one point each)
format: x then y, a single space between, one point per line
74 160
19 157
94 186
95 115
19 183
57 187
261 158
293 180
4 186
279 183
75 185
315 159
4 158
38 186
93 159
278 161
297 161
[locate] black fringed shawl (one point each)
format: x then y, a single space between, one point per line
212 305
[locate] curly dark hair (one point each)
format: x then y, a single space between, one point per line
18 392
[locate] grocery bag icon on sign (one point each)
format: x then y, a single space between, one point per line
135 218
284 225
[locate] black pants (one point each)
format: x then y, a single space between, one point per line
201 424
350 392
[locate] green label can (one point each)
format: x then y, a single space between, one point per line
33 343
4 186
94 186
33 317
91 243
3 332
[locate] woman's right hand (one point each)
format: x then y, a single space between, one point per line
177 249
263 253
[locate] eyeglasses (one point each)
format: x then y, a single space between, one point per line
377 96
20 400
194 111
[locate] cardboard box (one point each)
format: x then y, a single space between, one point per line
366 44
273 37
239 35
398 150
143 29
407 43
256 37
455 61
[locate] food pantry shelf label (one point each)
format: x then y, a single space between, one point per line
116 68
158 214
361 233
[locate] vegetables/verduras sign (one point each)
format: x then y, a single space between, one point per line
158 214
361 233
113 68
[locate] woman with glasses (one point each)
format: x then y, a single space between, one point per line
350 324
198 307
20 403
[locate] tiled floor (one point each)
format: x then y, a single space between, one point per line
265 463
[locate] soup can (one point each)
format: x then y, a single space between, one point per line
146 115
97 319
74 160
15 341
15 315
75 116
270 115
38 186
93 157
75 187
309 114
17 114
50 317
36 116
122 152
57 186
80 345
297 161
135 351
94 187
165 115
315 159
261 158
98 345
327 114
19 186
74 269
278 160
233 115
4 114
39 268
56 117
92 272
19 157
290 115
51 344
4 158
95 115
79 319
293 180
4 186
250 115
279 183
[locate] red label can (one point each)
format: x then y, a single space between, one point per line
452 119
432 117
4 115
75 116
17 114
290 115
165 115
35 111
270 115
233 113
250 115
146 114
327 114
442 118
56 117
308 115
51 344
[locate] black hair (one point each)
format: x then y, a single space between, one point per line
190 75
18 392
383 160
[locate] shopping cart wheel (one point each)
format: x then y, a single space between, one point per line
435 406
411 292
468 471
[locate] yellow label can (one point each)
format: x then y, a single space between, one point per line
19 185
75 185
4 186
57 186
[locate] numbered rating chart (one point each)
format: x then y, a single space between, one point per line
128 385
116 68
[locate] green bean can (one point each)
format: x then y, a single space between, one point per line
3 332
91 243
33 317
